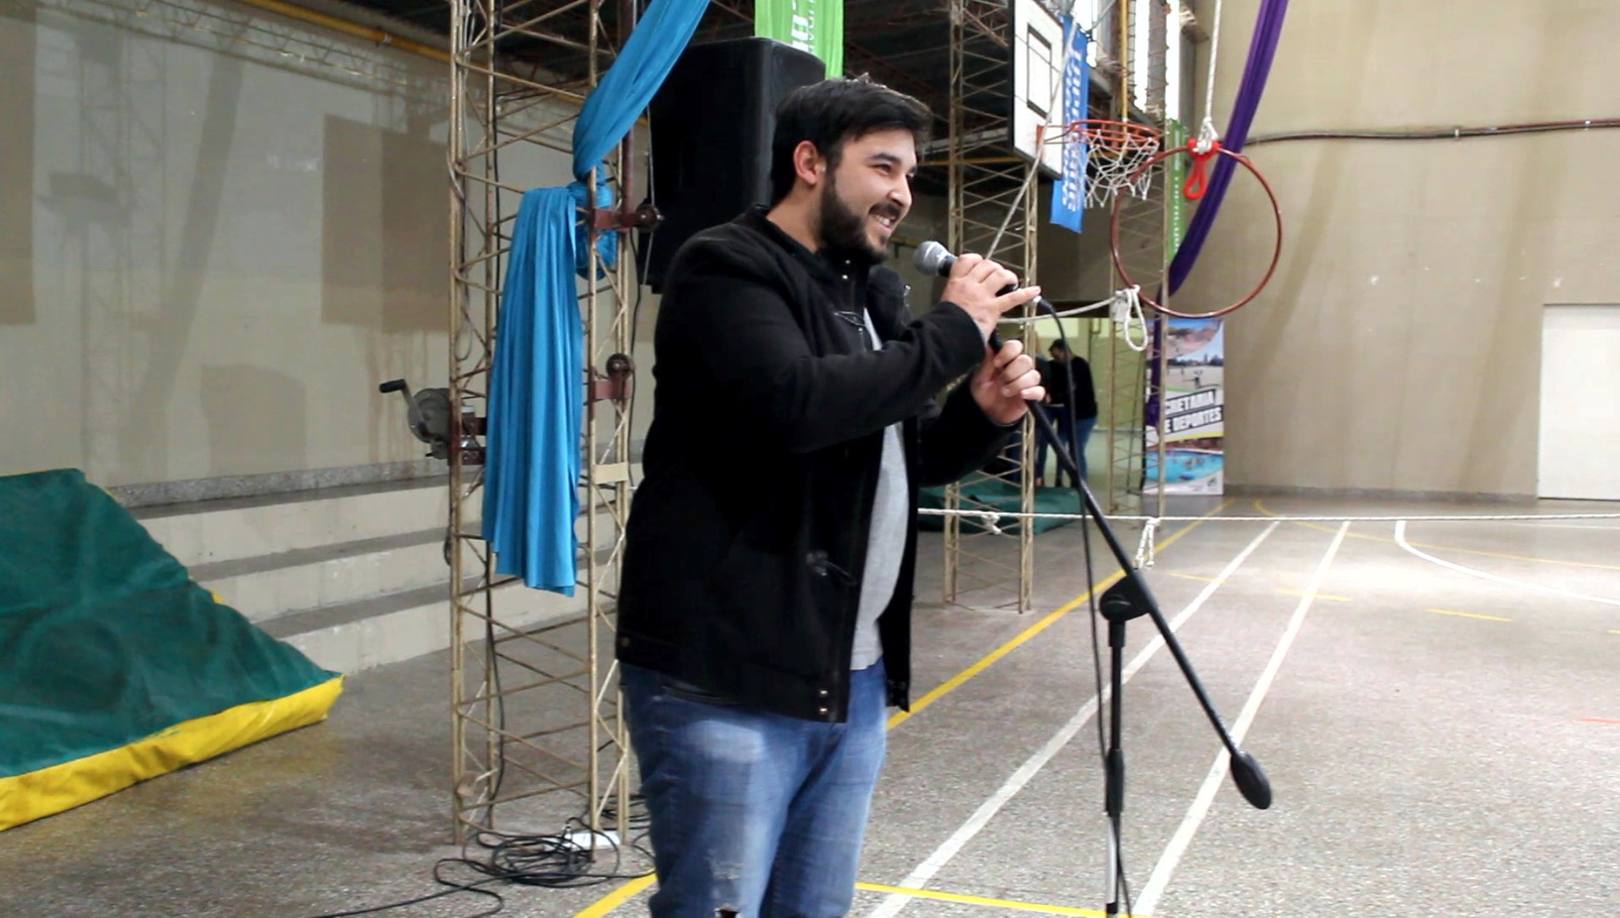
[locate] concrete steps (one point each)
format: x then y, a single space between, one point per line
266 586
224 530
374 632
354 577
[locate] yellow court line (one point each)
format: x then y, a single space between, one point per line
617 897
1467 551
1198 577
629 890
1328 596
956 681
1485 618
1511 557
1010 904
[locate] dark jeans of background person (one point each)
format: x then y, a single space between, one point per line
1076 435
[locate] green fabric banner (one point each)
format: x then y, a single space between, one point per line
1175 135
816 26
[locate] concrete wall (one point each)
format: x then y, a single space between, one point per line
222 249
1398 347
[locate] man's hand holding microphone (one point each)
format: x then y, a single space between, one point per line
1007 379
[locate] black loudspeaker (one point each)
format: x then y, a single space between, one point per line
711 125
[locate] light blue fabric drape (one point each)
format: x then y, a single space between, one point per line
535 407
537 383
624 91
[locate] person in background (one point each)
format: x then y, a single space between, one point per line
1063 367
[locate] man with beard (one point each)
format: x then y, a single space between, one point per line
764 618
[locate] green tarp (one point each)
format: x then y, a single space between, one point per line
104 638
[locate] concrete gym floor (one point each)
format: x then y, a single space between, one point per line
1440 720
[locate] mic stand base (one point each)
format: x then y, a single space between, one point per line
1125 600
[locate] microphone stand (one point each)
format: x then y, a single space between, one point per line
1125 600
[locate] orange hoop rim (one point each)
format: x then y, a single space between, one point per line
1276 252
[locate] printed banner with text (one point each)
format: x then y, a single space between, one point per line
1194 408
1069 191
816 26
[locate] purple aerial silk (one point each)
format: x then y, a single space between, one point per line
1267 30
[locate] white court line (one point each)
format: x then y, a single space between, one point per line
942 855
1218 770
1400 539
1565 526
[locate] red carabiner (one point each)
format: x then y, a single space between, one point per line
1198 179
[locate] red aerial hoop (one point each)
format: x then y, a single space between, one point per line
1194 190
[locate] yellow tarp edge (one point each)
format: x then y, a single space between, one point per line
37 794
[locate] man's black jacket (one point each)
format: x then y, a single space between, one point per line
748 532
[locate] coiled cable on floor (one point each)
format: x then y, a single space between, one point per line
557 861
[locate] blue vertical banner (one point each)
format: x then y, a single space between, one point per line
1069 191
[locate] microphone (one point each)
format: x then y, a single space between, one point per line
934 258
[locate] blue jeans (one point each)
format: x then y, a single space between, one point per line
753 812
1077 437
1081 434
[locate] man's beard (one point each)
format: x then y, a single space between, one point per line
843 230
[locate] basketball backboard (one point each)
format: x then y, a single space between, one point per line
1037 81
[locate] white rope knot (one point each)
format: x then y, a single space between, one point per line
985 518
1145 547
1127 312
989 521
1206 136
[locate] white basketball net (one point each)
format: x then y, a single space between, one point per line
1113 155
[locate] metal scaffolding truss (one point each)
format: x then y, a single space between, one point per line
535 709
993 211
1130 385
1143 226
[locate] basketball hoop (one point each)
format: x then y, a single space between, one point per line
1195 189
1115 154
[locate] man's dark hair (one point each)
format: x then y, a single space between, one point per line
831 112
1059 345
